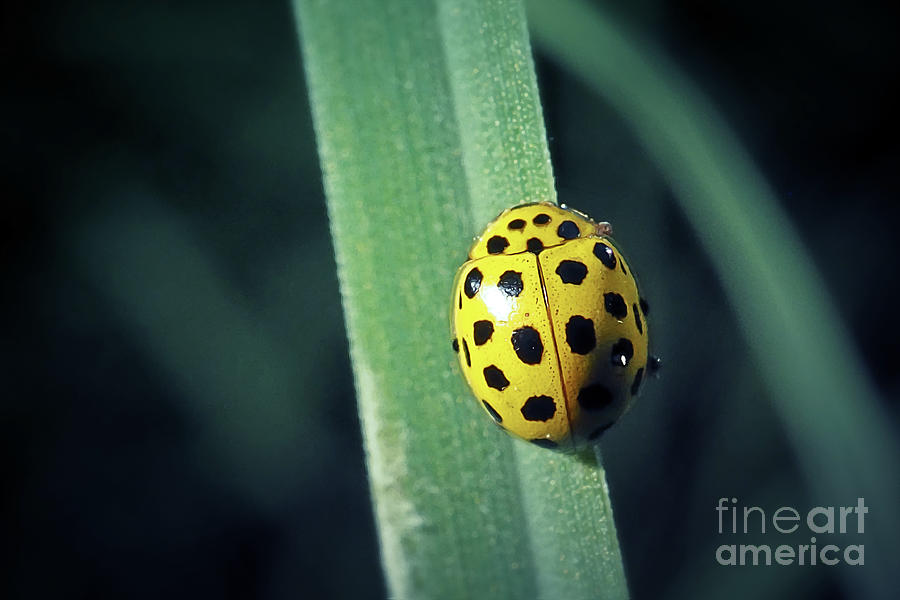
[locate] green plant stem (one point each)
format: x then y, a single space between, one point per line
428 124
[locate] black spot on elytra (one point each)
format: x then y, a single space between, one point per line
535 245
637 319
636 385
541 219
516 224
615 305
466 352
495 378
455 345
494 414
595 396
473 283
571 271
545 443
598 432
510 283
482 331
526 341
580 335
460 301
645 308
622 352
497 244
605 254
539 408
622 266
568 230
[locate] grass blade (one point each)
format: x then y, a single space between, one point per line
428 123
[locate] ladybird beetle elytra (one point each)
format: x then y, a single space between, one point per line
552 327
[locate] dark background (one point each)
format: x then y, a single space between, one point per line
178 414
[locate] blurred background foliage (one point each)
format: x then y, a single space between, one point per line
178 412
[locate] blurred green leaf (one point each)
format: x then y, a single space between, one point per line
829 408
248 397
429 124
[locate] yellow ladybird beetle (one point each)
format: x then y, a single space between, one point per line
549 326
